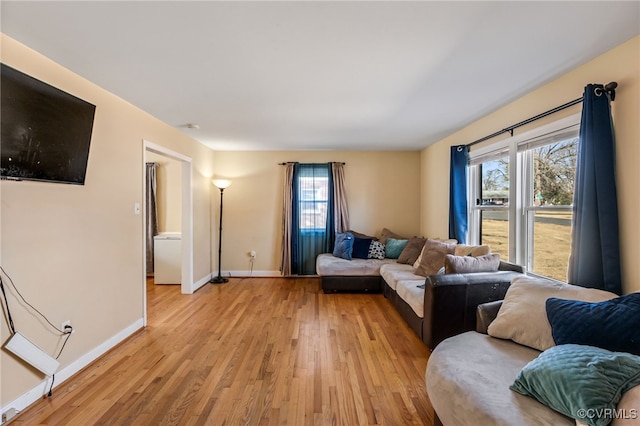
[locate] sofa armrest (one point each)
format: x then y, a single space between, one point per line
507 266
451 300
485 314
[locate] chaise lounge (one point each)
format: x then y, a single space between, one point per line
469 376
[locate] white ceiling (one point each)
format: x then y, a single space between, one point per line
320 75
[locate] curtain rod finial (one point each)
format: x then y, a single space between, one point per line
610 88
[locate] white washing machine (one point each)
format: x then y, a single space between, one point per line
167 258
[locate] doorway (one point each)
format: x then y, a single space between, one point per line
185 221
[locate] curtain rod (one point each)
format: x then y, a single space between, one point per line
295 162
609 88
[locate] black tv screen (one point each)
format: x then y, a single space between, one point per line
45 132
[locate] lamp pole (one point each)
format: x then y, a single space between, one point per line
221 184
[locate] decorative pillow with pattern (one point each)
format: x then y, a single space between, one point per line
376 250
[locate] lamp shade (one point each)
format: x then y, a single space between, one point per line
221 183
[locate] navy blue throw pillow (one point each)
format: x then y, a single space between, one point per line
343 246
361 248
613 324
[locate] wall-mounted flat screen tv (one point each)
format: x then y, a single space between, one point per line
45 132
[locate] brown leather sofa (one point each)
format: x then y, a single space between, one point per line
435 307
449 301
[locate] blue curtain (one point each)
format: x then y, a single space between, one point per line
458 193
312 210
595 250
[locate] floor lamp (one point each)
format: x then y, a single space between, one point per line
221 184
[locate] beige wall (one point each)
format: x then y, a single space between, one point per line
75 252
168 192
621 64
382 190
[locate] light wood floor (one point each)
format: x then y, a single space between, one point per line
253 351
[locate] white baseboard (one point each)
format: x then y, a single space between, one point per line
42 388
251 274
201 282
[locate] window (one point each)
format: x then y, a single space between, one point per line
522 194
312 225
313 196
494 205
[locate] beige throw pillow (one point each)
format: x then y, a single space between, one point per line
419 259
523 314
475 251
469 264
432 257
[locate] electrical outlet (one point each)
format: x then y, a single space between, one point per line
252 254
8 415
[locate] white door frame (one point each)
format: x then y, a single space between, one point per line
187 286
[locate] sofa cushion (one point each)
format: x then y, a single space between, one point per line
468 378
329 265
412 292
467 264
613 324
343 246
394 272
523 317
432 258
573 378
412 250
361 248
393 248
